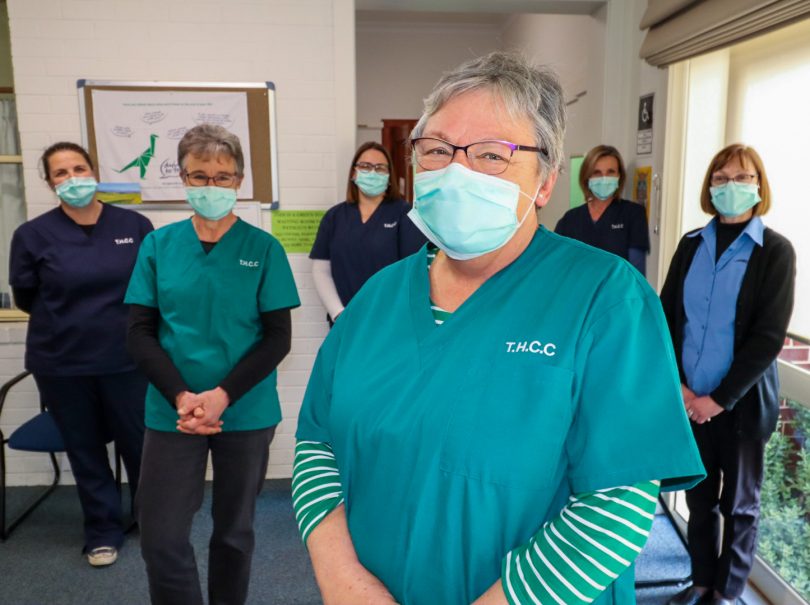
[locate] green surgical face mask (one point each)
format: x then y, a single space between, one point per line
371 183
212 203
603 187
734 199
77 191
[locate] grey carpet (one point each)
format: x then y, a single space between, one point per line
41 563
663 558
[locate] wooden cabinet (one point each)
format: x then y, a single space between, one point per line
395 138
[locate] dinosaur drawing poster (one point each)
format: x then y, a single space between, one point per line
137 134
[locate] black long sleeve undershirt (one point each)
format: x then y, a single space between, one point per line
144 347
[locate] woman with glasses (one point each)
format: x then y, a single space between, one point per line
360 236
483 424
606 221
728 297
209 323
69 269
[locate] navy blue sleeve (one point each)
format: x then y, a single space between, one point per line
24 298
639 236
146 226
638 258
409 238
23 266
322 248
562 227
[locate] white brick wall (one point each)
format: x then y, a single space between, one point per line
306 47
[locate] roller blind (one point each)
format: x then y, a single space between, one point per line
681 29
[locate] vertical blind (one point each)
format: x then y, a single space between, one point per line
682 29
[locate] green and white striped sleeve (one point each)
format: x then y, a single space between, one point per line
574 557
316 487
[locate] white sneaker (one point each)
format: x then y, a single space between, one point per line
102 555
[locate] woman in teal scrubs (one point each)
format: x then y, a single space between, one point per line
483 423
209 324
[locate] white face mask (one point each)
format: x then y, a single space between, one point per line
466 213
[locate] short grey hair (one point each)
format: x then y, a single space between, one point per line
526 91
209 140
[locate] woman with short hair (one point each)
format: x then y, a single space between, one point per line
463 437
210 322
728 297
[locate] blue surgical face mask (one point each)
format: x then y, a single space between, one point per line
734 199
371 183
77 191
212 203
466 213
603 187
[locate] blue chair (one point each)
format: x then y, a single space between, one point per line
39 434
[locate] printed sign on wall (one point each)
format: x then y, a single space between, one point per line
137 134
645 125
296 229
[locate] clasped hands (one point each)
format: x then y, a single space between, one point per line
699 409
198 413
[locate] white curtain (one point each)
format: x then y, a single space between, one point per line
12 205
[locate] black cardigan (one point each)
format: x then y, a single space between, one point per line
750 389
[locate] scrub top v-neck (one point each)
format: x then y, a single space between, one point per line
622 226
357 250
553 378
210 306
78 317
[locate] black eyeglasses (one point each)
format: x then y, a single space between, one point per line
489 157
369 167
200 179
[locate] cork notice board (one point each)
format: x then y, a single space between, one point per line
131 130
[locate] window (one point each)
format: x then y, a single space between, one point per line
757 93
12 201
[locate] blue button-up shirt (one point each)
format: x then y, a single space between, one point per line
710 303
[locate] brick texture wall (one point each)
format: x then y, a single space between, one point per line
306 47
796 352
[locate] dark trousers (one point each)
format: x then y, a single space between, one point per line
737 464
90 411
171 492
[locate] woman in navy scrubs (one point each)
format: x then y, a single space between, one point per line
367 232
607 221
728 297
69 270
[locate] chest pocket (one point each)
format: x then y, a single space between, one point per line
509 423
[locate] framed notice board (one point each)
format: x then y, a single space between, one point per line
131 130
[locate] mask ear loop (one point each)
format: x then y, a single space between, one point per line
531 205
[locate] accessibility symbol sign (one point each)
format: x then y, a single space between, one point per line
645 125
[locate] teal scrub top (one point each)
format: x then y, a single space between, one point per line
455 443
210 306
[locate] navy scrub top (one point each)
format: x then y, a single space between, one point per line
357 250
622 226
78 321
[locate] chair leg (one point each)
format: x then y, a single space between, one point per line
7 529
